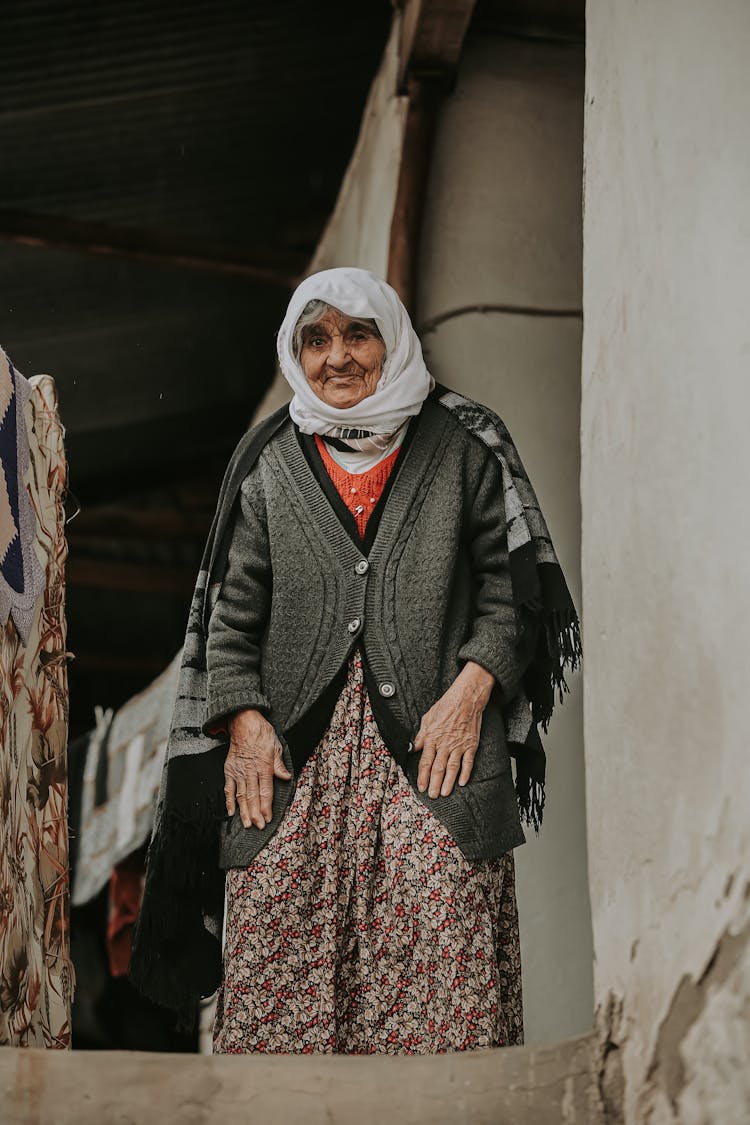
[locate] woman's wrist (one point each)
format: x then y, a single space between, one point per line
247 716
477 682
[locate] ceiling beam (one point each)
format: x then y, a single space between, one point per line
432 35
267 265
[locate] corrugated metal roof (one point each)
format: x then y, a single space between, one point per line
193 118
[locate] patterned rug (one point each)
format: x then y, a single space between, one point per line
36 976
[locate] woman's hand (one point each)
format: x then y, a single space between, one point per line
253 760
448 735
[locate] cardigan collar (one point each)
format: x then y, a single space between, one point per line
419 456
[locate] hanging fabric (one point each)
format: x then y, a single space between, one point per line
36 978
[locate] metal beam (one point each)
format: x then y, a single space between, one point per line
270 266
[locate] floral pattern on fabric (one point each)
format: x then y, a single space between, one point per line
36 976
361 927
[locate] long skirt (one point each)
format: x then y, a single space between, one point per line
361 927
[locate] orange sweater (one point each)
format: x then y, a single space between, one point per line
359 491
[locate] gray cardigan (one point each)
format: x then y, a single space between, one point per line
434 591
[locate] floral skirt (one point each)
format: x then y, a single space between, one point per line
361 927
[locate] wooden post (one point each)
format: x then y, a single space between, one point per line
432 36
425 96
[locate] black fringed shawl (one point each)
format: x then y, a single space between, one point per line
177 948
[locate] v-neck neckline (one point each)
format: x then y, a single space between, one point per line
317 466
423 443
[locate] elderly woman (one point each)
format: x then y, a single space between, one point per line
379 622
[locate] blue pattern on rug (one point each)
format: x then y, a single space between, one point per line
11 565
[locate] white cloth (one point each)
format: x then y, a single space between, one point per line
360 460
405 381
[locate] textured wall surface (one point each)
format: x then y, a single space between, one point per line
503 232
666 551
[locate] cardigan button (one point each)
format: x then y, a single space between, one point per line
354 624
387 689
362 566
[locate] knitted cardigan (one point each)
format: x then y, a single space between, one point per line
436 592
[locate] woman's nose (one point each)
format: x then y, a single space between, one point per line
338 354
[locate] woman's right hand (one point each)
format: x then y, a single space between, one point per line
253 760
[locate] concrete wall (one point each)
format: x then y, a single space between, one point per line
503 227
666 551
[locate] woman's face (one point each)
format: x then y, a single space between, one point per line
342 358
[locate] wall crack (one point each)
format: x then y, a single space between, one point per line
667 1069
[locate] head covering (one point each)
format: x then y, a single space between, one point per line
405 381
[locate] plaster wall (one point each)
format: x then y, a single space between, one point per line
666 551
503 228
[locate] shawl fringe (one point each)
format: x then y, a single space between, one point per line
176 958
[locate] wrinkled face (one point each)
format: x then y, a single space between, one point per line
342 358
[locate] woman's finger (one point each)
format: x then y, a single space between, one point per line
467 765
279 769
437 773
230 790
242 802
253 799
265 790
244 808
425 765
451 773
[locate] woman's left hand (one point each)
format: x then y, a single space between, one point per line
448 735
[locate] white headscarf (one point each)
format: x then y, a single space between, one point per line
404 383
